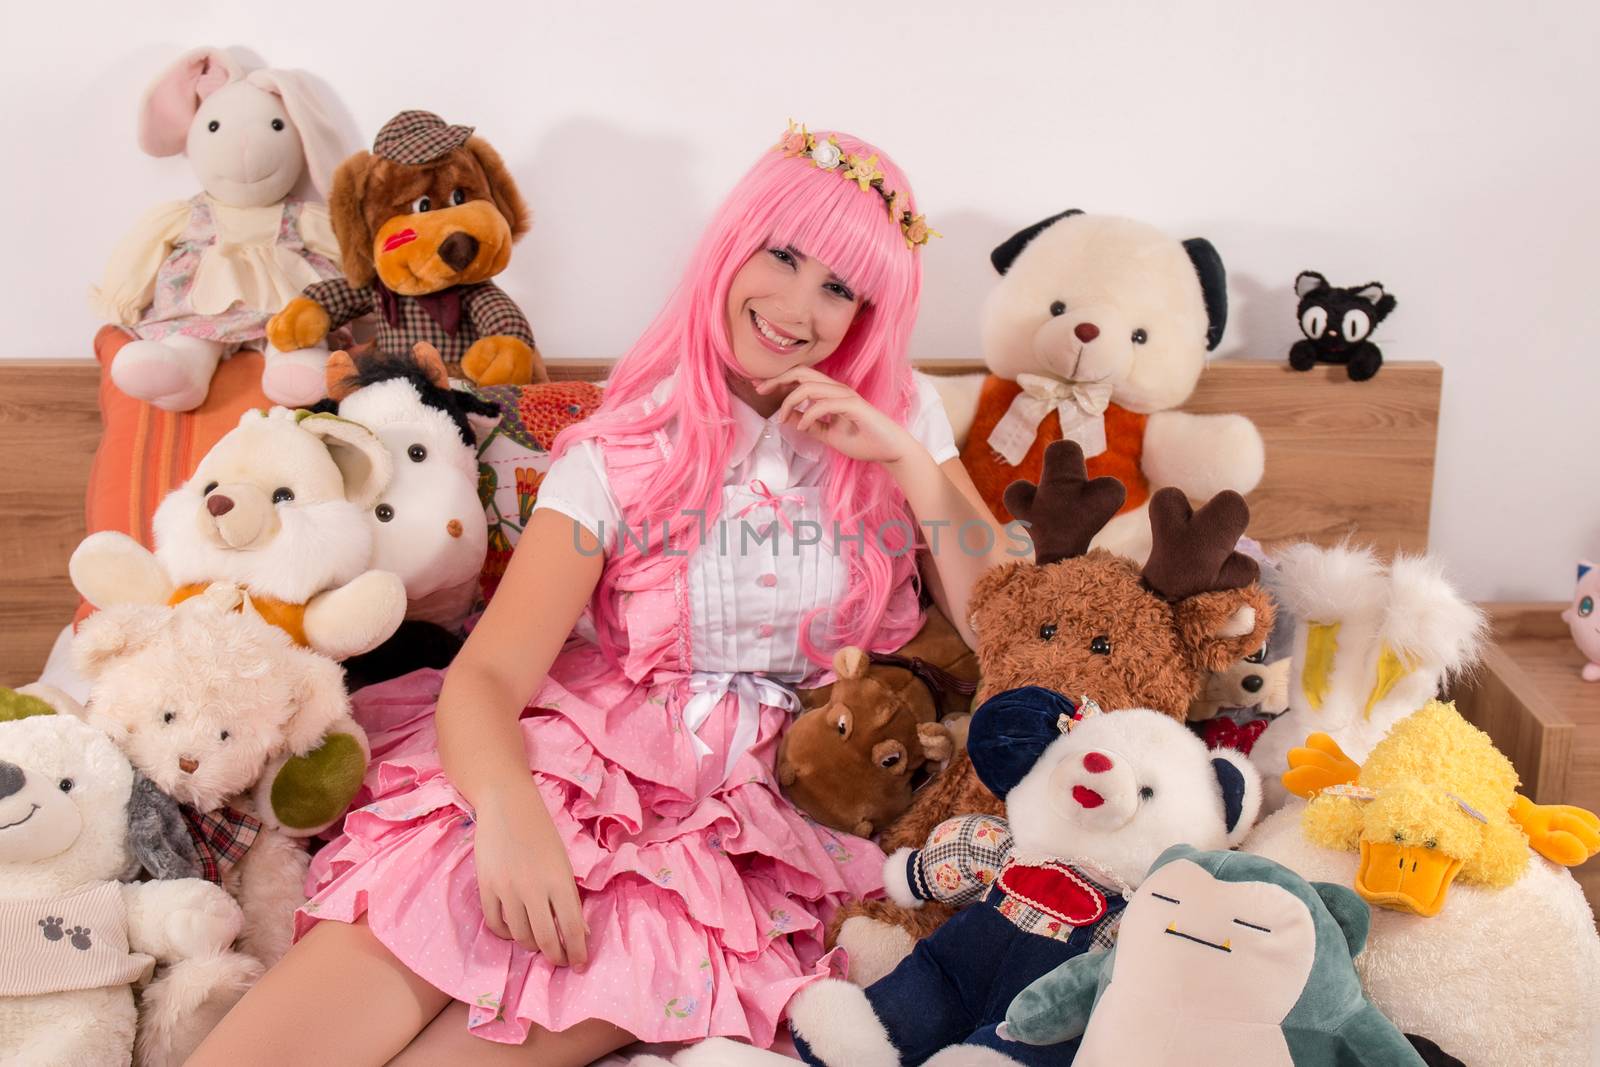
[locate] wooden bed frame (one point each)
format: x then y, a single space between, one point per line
1342 459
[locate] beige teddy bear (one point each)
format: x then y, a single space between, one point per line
278 508
207 700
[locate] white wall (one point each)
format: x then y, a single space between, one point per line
1447 149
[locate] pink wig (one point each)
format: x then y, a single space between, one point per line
781 201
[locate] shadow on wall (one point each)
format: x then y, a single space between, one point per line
1261 319
956 279
594 187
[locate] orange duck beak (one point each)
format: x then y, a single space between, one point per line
1405 877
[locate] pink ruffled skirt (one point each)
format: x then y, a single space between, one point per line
705 898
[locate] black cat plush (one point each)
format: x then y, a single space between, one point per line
1337 322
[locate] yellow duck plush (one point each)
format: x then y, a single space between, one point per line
1434 801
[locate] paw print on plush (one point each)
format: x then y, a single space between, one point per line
80 938
50 926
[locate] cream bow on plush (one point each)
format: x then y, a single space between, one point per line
1080 405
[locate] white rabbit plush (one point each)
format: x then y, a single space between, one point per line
197 279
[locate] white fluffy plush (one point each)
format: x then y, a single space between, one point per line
1405 611
278 507
1099 300
56 838
1509 977
207 700
428 526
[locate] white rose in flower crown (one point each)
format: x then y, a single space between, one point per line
826 154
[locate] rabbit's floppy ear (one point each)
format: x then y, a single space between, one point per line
171 101
319 136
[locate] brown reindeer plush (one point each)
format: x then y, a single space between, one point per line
1086 623
852 759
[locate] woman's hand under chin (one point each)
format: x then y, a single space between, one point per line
839 417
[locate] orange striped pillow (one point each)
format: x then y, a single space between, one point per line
145 452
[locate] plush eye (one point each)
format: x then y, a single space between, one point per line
168 717
1101 646
458 196
1357 324
1145 793
421 204
1140 336
1047 631
1399 838
213 125
1314 322
277 124
417 453
842 724
1258 656
65 785
210 488
224 735
1058 309
1586 606
1431 843
890 760
282 495
384 512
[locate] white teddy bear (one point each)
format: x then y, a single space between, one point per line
278 507
1096 331
208 701
74 819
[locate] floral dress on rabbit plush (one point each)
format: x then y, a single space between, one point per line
704 891
204 269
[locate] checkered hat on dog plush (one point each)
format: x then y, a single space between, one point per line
417 137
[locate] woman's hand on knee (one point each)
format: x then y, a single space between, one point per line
525 880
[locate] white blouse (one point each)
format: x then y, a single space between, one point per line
754 577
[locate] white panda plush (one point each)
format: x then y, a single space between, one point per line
1092 800
1096 331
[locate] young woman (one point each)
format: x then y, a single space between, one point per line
743 502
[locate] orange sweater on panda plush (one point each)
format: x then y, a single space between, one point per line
1098 329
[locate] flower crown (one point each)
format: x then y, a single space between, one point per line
797 141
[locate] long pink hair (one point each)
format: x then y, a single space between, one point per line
782 200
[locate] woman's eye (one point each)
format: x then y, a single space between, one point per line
781 255
417 453
213 125
282 495
421 204
1058 309
458 196
1047 631
277 124
839 290
384 512
1101 646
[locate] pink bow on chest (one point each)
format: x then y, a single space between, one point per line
769 499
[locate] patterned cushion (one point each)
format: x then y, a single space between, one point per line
514 456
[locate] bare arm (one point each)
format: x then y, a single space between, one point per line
524 880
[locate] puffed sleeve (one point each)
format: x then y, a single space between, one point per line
928 422
576 485
130 279
316 230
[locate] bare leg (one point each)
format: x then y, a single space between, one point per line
447 1040
339 996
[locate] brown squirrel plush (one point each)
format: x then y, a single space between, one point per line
1088 623
852 759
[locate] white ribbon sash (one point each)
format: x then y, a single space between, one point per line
1081 407
751 690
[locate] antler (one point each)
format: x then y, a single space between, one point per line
1066 509
1193 551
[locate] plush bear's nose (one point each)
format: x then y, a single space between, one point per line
458 250
454 528
187 765
219 505
1097 763
1252 683
11 779
1086 331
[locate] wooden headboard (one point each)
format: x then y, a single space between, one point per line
1342 458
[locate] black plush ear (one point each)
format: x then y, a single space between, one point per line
1231 780
1308 281
158 837
1010 731
1007 251
1213 286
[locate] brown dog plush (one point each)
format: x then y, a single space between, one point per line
1084 622
852 759
424 221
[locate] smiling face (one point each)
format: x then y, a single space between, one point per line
1582 616
245 147
787 310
